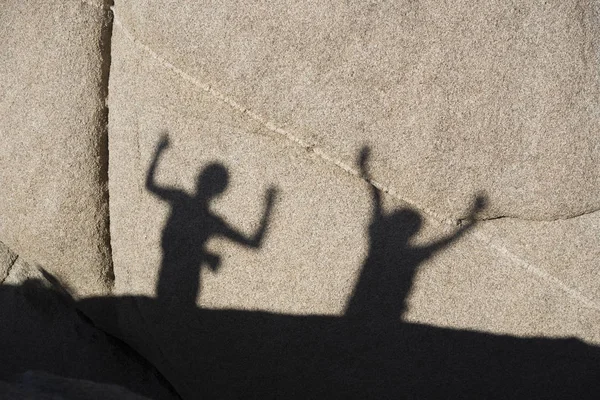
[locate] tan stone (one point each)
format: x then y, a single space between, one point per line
458 98
253 237
529 278
53 132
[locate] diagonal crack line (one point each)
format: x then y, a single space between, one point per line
540 273
9 268
311 147
558 219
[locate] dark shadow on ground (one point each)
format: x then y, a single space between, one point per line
42 330
243 354
228 354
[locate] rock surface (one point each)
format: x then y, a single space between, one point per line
294 190
499 97
497 277
53 131
232 354
317 238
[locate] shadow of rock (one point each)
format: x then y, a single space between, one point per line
44 386
246 354
41 329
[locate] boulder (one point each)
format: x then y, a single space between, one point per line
453 99
53 164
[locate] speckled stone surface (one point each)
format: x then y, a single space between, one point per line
53 132
453 98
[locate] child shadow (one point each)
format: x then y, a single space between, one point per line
387 275
190 225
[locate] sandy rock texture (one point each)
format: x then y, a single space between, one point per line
318 231
454 97
307 199
53 73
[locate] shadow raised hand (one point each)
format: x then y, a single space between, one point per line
363 159
478 205
271 196
164 142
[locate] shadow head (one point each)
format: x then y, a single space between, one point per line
403 224
212 181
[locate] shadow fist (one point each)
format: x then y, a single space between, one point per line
164 142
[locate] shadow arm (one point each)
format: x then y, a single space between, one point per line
376 201
440 244
159 191
255 240
362 161
238 237
478 205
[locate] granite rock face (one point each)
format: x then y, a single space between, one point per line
53 130
497 97
198 92
306 199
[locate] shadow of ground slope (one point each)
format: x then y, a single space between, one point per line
368 353
245 354
41 330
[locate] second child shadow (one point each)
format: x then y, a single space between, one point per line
387 275
190 225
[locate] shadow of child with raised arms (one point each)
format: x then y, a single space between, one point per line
387 275
190 225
